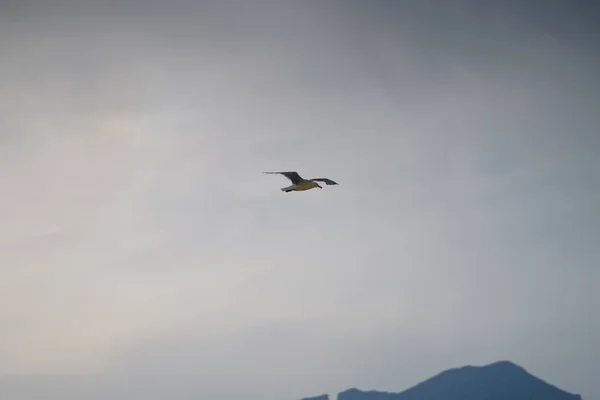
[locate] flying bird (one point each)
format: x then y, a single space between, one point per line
300 184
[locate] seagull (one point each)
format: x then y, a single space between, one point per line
300 184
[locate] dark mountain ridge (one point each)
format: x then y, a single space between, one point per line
502 380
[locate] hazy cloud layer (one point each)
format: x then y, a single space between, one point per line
142 249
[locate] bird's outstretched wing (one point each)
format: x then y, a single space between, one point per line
327 181
292 176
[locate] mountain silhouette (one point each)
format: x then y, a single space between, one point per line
502 380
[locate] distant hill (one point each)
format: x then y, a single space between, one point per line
322 397
498 381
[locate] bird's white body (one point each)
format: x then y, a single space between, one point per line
304 185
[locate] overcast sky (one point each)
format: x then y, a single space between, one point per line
142 252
